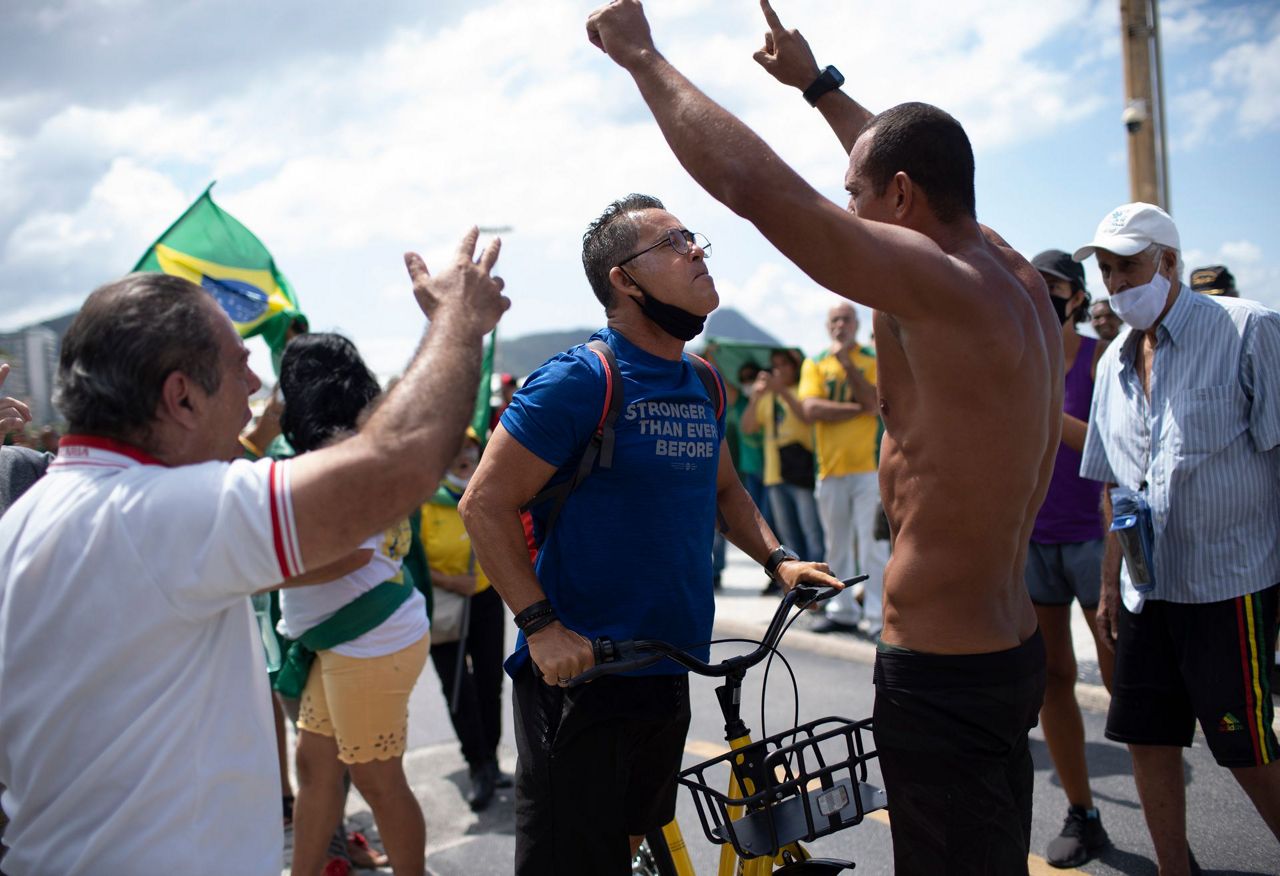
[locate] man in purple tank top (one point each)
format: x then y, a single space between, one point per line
1064 562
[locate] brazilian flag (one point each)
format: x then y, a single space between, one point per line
209 247
483 409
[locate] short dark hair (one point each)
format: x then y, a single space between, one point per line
610 239
128 337
325 385
791 354
929 146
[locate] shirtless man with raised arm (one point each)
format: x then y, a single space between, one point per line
970 377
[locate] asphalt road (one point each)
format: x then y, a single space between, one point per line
834 678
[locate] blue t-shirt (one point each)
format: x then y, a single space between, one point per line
630 555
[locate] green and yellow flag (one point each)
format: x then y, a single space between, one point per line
209 247
483 409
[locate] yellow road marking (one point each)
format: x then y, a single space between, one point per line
704 750
1038 866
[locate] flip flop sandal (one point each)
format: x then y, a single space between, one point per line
364 856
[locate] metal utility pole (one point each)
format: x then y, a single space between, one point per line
1144 116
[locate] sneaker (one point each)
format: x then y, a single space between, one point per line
1082 837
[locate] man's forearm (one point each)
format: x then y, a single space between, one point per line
821 410
399 457
721 153
845 115
1111 555
497 535
746 528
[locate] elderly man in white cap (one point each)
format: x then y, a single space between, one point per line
1186 422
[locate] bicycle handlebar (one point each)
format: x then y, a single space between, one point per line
613 658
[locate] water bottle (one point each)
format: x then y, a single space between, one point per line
1131 522
262 612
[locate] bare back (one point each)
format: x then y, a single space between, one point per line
972 416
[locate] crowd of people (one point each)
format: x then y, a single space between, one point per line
986 465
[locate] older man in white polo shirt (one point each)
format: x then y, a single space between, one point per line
135 724
1186 413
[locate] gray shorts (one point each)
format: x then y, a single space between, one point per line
1058 573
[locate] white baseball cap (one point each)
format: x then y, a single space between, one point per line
1129 229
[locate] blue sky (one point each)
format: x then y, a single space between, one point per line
344 135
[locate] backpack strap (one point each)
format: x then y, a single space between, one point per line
711 381
601 445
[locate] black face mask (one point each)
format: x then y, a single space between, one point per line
675 321
1060 308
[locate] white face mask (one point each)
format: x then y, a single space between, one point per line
1140 306
459 484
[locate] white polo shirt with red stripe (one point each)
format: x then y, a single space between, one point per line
136 733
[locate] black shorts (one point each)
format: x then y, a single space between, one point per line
951 733
1177 663
597 765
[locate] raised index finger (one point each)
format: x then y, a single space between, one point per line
771 17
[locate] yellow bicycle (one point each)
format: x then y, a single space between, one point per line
791 787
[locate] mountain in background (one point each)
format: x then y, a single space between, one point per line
731 325
521 355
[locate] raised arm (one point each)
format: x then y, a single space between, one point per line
345 493
788 58
737 168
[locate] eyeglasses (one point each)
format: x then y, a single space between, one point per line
681 239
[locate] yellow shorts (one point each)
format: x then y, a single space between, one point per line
363 702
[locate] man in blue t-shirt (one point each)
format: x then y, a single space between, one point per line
629 555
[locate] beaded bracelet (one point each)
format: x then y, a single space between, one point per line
538 623
535 613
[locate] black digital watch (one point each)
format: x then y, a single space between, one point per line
780 555
828 80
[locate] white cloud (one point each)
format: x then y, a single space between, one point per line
1256 276
1253 70
128 196
1194 116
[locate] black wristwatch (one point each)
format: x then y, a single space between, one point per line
828 80
780 555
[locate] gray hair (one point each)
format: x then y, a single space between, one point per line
128 338
1157 251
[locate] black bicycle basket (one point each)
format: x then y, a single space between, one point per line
795 786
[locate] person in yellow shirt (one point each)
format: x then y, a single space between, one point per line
788 453
838 396
467 630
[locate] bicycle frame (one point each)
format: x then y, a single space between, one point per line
730 863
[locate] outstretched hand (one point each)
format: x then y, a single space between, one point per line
13 414
621 31
467 283
786 53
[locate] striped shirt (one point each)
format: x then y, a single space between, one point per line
1205 447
